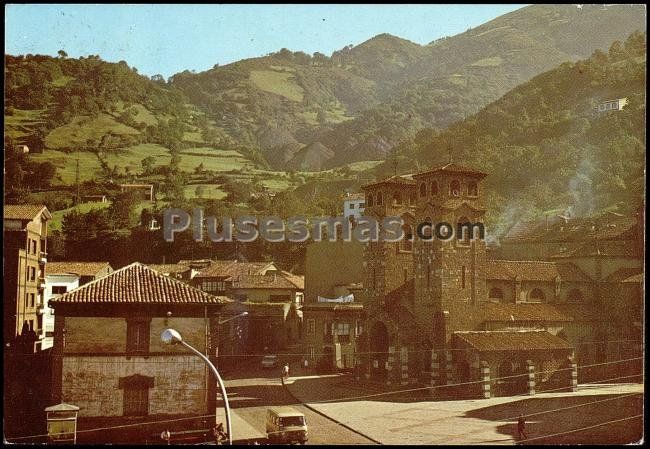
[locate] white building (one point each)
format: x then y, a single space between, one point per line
354 205
60 278
611 105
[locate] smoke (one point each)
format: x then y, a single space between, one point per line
581 190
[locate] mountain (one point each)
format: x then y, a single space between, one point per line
362 100
544 144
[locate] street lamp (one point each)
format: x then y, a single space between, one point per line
173 337
219 323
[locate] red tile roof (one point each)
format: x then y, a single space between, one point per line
523 312
25 211
559 229
453 168
534 270
137 284
231 268
512 340
399 179
170 268
270 281
622 274
80 268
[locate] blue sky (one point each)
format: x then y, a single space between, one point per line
167 39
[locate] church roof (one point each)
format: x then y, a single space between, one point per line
452 167
529 340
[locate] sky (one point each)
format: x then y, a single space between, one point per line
167 39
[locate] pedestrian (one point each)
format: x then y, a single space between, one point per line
306 364
285 370
521 427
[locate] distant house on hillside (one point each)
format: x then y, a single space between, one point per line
94 199
354 205
611 105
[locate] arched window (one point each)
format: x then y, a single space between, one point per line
406 244
536 295
464 236
574 295
496 293
370 201
434 188
472 188
380 199
454 188
423 189
397 198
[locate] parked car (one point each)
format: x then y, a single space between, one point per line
270 361
286 425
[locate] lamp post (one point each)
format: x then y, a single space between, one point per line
172 337
219 323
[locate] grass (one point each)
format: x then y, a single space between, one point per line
84 128
215 160
488 62
210 191
66 164
62 81
19 123
279 83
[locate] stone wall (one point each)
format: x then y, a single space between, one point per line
92 383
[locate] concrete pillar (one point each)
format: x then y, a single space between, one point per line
530 368
390 364
449 369
485 380
404 365
435 368
573 374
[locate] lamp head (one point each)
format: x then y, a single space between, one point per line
171 337
244 313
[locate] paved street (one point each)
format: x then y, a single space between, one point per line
253 390
408 420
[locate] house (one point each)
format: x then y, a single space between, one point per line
271 296
353 205
333 270
109 361
62 277
25 256
176 270
144 190
610 105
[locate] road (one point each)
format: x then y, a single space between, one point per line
252 390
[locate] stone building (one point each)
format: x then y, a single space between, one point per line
108 358
24 257
439 311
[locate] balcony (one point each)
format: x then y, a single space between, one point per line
42 258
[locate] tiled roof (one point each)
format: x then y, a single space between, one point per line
512 340
603 248
533 270
623 274
24 211
523 312
453 168
137 284
354 196
635 279
169 267
231 268
561 229
80 268
297 280
398 179
272 281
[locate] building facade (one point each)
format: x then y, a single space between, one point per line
24 259
354 205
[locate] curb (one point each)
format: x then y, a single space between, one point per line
329 417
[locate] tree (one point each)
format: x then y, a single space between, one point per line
199 191
62 54
147 165
122 210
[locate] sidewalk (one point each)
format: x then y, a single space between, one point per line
413 418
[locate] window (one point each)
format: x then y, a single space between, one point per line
312 353
31 300
536 295
496 293
33 246
358 328
472 188
311 326
343 332
351 205
31 325
454 188
213 286
434 188
136 394
137 336
465 232
59 289
462 277
370 200
361 204
406 275
380 199
423 189
32 273
397 198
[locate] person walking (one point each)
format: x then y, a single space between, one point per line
285 370
521 427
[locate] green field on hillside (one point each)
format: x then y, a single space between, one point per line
66 164
279 83
21 122
84 128
56 222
